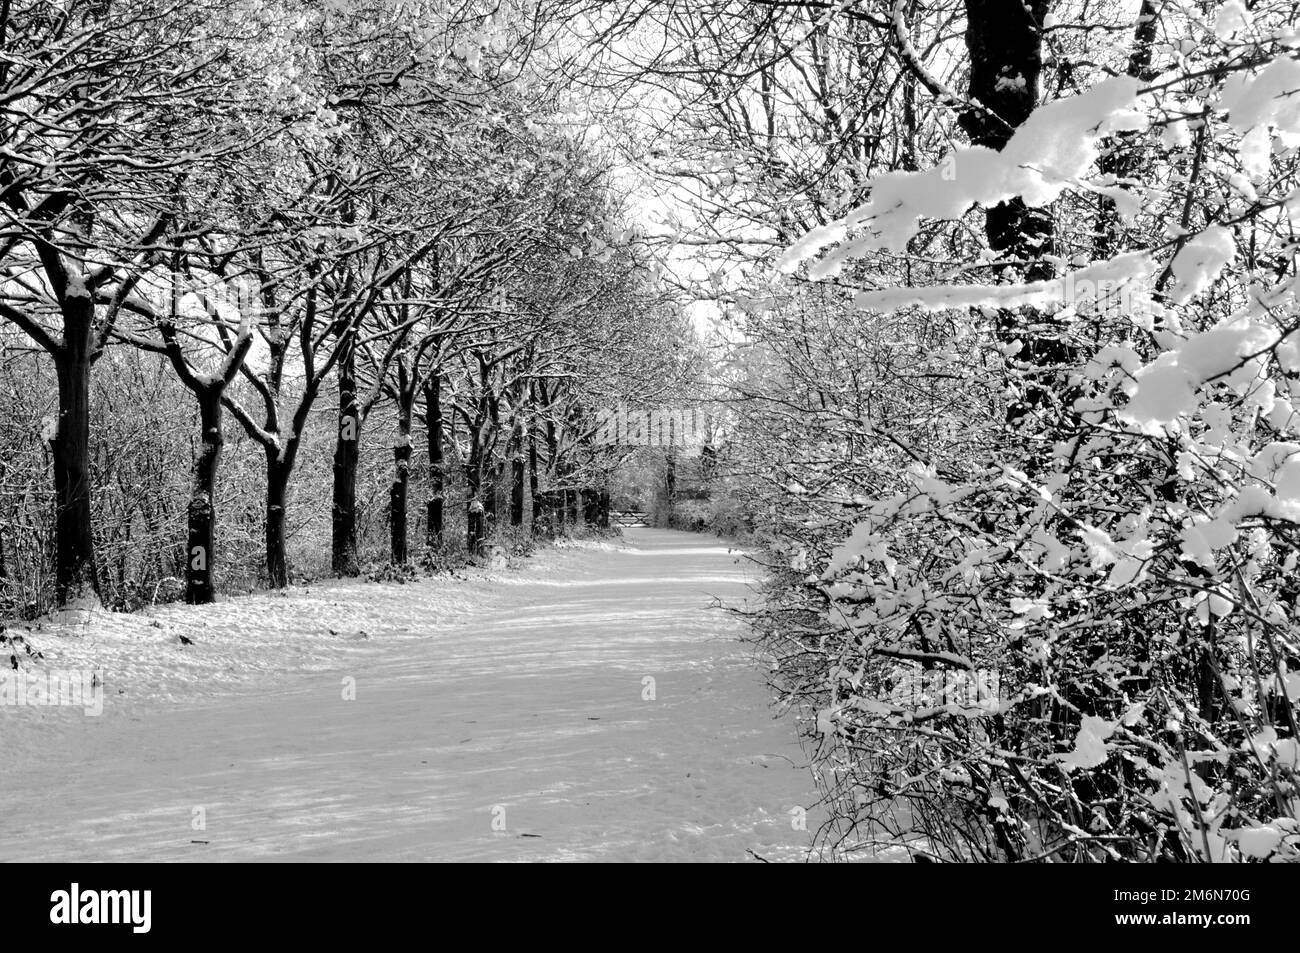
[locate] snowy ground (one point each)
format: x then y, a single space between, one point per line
514 697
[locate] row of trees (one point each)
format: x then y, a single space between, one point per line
1011 303
373 203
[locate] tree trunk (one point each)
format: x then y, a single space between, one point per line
544 513
277 488
475 527
490 482
397 501
401 478
555 497
347 456
670 485
1005 43
475 521
74 552
603 510
437 478
201 546
517 488
533 491
590 506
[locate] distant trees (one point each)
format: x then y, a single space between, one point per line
275 205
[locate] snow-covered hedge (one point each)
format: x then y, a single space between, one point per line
1034 541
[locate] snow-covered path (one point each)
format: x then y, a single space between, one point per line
520 699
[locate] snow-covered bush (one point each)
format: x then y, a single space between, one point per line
1034 537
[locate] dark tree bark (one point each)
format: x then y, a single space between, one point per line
281 442
202 511
437 477
1005 44
517 489
547 514
475 518
539 510
482 472
397 493
553 498
670 482
277 491
515 454
347 458
475 527
397 500
491 480
397 503
52 220
602 519
555 505
201 548
590 506
74 550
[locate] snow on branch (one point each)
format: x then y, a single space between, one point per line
1047 154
